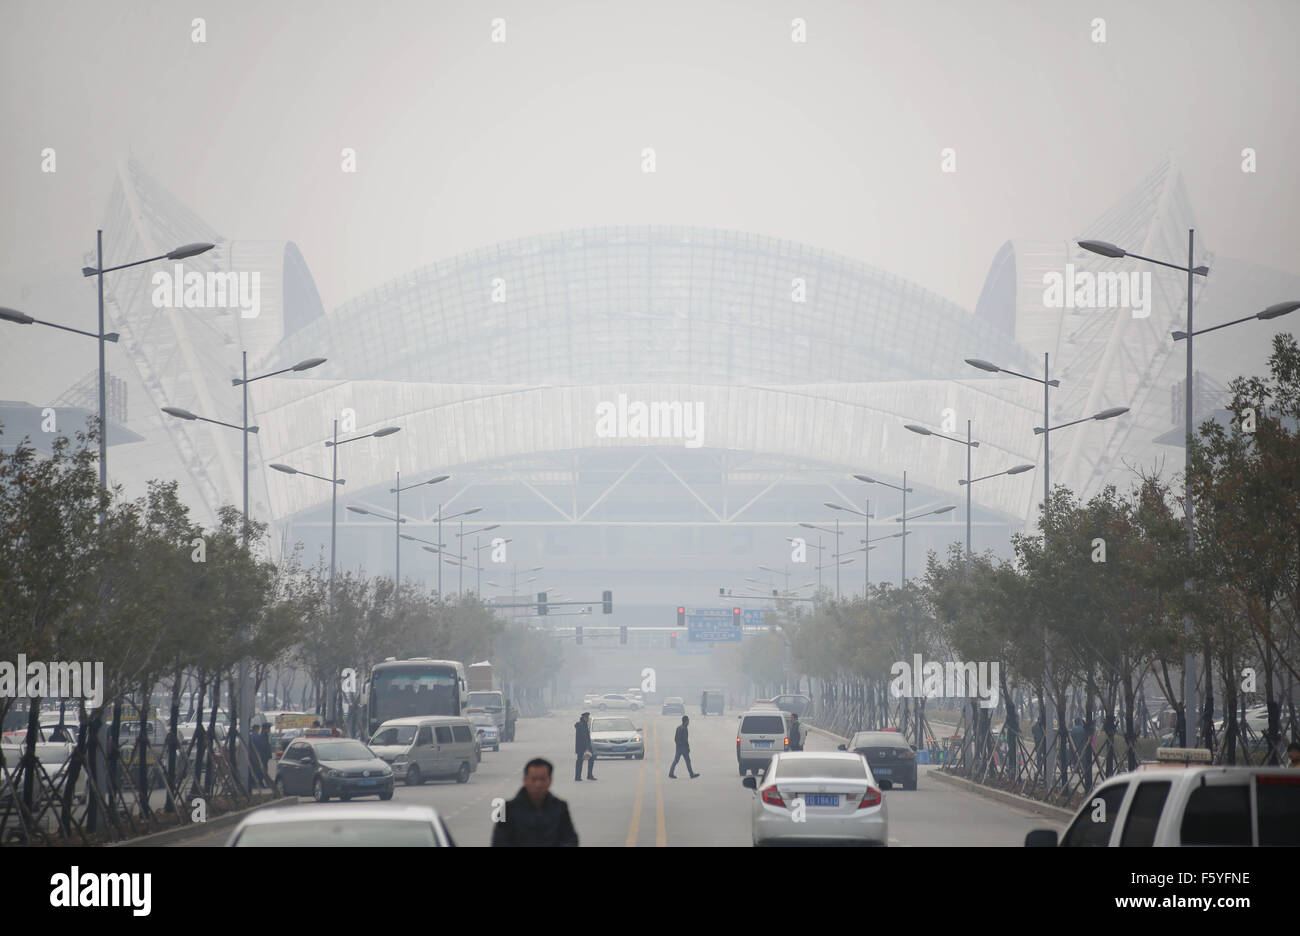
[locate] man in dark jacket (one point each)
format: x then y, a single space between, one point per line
535 817
796 736
683 741
582 747
262 748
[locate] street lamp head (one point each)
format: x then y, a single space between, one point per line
285 468
437 479
386 431
983 365
1112 412
492 527
472 510
919 430
1105 248
308 364
112 336
18 318
188 250
406 536
178 412
944 510
1039 430
1281 308
360 510
809 526
429 549
831 506
961 482
1179 335
865 478
1020 469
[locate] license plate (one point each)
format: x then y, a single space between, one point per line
619 747
369 782
762 745
883 771
822 799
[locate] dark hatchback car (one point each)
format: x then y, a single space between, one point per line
326 767
674 705
888 755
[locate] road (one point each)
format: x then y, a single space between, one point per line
634 803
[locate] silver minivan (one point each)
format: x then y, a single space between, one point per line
763 731
425 747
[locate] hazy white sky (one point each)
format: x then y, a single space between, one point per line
462 142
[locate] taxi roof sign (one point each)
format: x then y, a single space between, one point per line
1184 755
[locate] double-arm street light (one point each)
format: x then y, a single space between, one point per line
921 430
905 490
866 542
836 533
1106 249
460 575
440 544
398 520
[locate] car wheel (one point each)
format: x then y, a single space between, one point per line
318 791
346 797
386 795
641 756
627 757
742 770
413 777
909 784
635 706
279 788
463 775
496 748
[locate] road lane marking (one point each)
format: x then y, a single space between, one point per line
661 834
634 829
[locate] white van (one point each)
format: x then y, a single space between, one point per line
427 747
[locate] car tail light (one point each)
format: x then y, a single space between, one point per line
787 743
907 755
773 798
870 798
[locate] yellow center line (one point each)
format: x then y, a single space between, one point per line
661 833
633 830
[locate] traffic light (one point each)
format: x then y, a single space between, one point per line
608 599
577 632
541 603
736 617
622 634
672 641
681 617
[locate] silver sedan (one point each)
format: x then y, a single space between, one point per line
816 798
350 824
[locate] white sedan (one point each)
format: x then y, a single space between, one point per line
615 700
616 736
816 798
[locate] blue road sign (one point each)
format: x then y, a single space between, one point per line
712 625
754 617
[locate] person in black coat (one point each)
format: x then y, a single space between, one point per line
582 746
683 742
796 736
535 817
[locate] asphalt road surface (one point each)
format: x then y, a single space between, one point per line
634 803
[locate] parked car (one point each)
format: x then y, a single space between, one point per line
795 704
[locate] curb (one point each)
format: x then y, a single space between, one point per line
1010 799
191 829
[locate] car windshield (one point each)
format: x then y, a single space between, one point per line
835 768
482 718
343 750
673 700
487 700
612 724
394 734
342 832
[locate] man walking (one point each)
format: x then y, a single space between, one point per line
796 738
262 753
683 741
582 747
535 817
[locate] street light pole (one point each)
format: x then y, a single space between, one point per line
969 446
397 536
103 379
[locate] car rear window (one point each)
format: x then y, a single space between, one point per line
1278 801
837 768
1217 815
340 832
762 724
